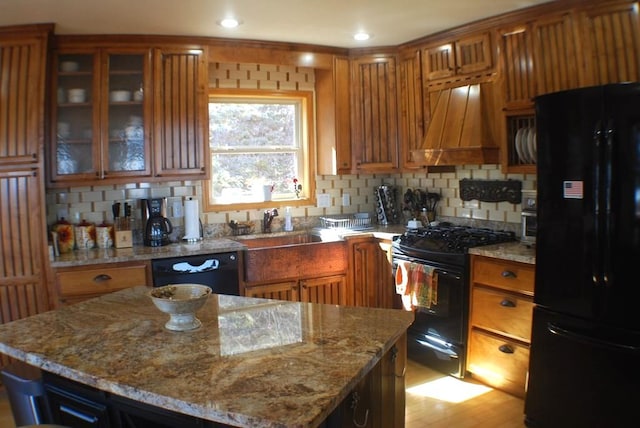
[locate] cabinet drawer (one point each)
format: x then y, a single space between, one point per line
498 361
503 274
100 280
502 312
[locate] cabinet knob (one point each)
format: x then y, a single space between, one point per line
508 303
506 349
508 274
102 277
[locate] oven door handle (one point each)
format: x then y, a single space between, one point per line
441 348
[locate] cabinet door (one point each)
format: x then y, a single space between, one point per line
100 116
375 107
473 54
412 109
287 290
181 115
516 53
439 61
22 268
612 51
330 290
333 115
371 275
125 113
555 55
22 71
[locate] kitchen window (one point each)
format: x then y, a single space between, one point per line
260 146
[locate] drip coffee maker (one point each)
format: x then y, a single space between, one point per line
156 226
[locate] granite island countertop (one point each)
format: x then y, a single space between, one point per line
253 363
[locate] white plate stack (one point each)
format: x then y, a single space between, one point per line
525 145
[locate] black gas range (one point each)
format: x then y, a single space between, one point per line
438 336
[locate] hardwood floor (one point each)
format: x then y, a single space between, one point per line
431 402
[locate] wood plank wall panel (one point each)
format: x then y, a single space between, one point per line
613 42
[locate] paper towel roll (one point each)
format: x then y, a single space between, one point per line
191 220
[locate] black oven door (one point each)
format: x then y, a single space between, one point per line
437 337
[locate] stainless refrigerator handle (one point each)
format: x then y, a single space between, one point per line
596 263
590 340
608 233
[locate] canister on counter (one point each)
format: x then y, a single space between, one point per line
85 235
104 235
65 235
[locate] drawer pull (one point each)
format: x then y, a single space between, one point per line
508 274
507 303
506 349
102 277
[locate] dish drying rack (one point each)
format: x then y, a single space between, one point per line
360 221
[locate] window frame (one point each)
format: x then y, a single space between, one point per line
307 133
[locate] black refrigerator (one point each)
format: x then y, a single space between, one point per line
584 368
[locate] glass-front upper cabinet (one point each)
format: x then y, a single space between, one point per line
100 115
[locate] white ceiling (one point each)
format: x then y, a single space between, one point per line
318 22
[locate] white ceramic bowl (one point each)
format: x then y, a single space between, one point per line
69 66
181 302
77 95
120 96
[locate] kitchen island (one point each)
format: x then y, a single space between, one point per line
253 363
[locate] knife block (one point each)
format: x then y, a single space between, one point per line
123 239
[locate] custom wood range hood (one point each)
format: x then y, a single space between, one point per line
462 127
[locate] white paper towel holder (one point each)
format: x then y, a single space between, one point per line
191 237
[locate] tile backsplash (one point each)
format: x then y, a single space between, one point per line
93 203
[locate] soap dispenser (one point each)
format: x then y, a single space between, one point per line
288 226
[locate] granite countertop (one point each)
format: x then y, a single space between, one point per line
253 363
205 246
139 252
514 251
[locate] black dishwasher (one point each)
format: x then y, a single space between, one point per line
219 271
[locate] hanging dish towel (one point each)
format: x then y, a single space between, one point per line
402 283
417 284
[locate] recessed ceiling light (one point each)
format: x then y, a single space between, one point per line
361 36
229 22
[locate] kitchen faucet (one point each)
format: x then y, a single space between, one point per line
268 218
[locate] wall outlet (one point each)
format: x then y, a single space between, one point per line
324 200
346 200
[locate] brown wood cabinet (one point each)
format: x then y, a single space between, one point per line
137 94
333 113
610 33
378 400
81 283
325 289
500 322
466 55
181 114
96 134
23 253
371 273
374 137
